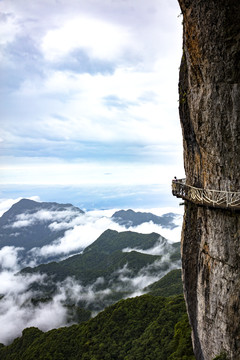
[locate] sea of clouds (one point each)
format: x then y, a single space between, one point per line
16 308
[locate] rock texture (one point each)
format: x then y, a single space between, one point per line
209 105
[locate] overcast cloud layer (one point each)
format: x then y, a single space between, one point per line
89 91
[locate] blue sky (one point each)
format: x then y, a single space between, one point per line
89 92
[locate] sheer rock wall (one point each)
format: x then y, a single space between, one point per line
209 106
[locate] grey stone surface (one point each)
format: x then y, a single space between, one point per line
209 105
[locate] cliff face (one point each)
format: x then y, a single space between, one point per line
209 98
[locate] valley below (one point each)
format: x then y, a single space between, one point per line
56 275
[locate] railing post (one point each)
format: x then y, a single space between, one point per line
215 198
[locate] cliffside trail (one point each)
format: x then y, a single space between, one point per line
209 106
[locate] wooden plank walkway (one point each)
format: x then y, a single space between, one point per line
206 197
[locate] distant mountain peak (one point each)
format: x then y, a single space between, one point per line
31 220
130 218
25 205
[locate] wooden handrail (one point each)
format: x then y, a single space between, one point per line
207 197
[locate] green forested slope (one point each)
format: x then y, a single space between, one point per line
90 266
105 256
169 285
142 328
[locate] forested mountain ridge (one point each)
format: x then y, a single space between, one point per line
144 328
108 264
106 255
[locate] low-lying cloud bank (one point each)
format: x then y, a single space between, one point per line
9 258
80 232
61 218
18 311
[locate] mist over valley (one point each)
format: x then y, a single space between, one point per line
60 264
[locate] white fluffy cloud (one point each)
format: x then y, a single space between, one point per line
125 280
17 312
96 37
84 229
171 234
9 258
8 28
129 105
90 81
64 216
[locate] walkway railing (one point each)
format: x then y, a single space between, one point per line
212 198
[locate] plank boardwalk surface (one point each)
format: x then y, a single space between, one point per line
207 197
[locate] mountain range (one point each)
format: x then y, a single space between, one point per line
37 229
117 265
129 218
111 265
